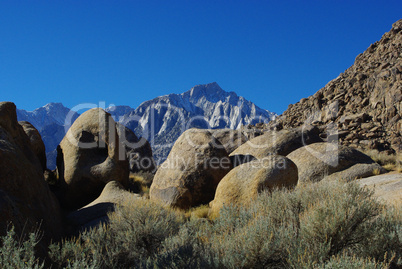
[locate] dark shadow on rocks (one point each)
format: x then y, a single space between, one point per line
89 217
240 159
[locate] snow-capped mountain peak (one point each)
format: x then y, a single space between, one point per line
160 120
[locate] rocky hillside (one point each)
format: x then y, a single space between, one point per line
163 119
364 103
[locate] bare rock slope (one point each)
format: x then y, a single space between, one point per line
364 103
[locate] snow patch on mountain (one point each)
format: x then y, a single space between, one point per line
163 119
160 120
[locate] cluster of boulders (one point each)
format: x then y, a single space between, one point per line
95 151
215 167
364 103
199 170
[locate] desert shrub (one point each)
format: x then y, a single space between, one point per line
385 236
135 232
303 228
17 254
341 220
352 262
189 248
322 225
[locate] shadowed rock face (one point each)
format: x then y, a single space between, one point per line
192 170
230 139
96 212
25 198
244 182
138 152
88 158
325 160
364 102
37 144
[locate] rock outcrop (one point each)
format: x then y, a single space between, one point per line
91 215
193 169
138 152
280 142
387 188
37 144
88 158
230 139
243 183
25 198
364 104
331 161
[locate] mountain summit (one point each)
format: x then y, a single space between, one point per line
163 119
160 120
52 113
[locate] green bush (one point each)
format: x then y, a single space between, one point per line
15 254
135 232
343 261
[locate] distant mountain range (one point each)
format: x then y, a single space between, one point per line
161 120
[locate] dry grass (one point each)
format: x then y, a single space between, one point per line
391 162
377 171
198 212
141 182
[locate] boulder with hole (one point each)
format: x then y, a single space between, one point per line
88 158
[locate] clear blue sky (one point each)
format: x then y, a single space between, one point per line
125 52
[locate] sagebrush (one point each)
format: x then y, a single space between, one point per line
322 225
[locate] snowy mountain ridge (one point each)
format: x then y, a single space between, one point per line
160 120
163 119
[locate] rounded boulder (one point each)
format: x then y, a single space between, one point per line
37 144
138 152
280 142
230 139
326 160
88 158
192 171
244 182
